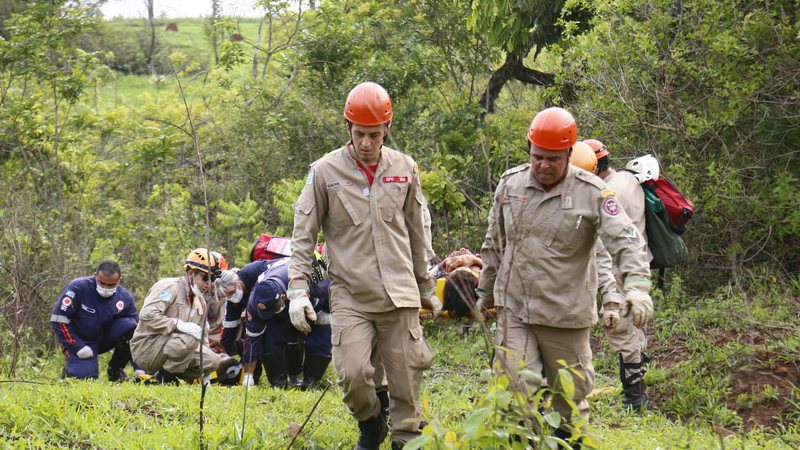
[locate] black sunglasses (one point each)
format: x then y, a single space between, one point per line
206 276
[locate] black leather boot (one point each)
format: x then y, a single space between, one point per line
228 369
164 377
116 374
275 365
373 433
633 385
383 397
314 368
294 362
120 359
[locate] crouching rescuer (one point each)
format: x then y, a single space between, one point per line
173 321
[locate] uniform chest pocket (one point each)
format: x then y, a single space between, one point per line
513 207
177 310
570 230
393 198
349 210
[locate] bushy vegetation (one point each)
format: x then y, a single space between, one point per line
99 161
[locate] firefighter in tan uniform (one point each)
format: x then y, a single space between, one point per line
539 261
624 337
172 323
368 201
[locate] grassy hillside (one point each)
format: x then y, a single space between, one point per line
713 386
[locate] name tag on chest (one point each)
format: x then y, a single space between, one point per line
395 179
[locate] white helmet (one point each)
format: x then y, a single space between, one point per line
644 168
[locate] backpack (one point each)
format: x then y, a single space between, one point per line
270 247
667 247
677 208
667 212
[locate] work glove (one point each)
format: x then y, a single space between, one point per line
483 296
248 380
436 304
85 352
192 329
323 318
611 315
300 309
638 302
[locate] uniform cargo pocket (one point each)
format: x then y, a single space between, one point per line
421 356
348 207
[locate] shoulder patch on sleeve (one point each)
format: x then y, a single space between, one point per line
70 293
611 206
310 177
607 192
165 296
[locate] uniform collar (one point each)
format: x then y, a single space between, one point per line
384 162
611 173
564 185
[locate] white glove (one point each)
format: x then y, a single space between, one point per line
638 303
248 380
300 309
323 318
192 329
611 315
85 352
436 305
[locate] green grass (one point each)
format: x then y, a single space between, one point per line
96 414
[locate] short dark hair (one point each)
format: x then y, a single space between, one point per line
109 267
459 294
603 164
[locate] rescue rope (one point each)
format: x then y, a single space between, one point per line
314 408
192 133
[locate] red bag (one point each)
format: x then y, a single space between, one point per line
679 209
270 247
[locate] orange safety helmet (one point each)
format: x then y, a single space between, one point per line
368 104
222 263
202 260
599 148
583 157
553 129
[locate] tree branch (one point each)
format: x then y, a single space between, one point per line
512 69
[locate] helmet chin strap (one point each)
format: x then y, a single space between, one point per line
353 144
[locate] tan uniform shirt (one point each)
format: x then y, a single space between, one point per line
538 255
374 235
168 300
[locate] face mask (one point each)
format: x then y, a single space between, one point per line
236 297
197 292
106 292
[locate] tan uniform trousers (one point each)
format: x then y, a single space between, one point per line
397 337
178 354
536 347
628 340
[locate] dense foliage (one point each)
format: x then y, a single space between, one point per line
98 163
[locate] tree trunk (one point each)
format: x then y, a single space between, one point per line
257 48
151 50
512 69
216 13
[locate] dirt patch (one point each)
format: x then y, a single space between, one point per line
771 391
762 382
